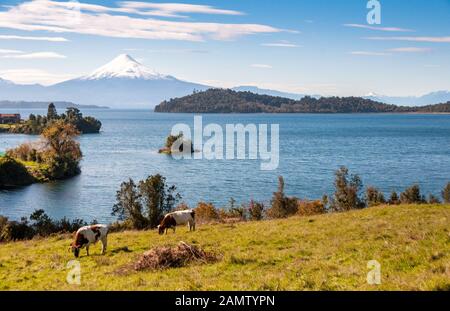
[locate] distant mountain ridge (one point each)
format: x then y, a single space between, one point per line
229 101
7 104
257 90
424 100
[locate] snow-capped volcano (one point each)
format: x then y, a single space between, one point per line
125 67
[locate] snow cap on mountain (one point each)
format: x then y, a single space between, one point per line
126 67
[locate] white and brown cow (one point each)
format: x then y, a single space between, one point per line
85 236
178 218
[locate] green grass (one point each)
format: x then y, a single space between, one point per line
329 252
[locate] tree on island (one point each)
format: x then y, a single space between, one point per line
177 143
57 157
51 112
35 125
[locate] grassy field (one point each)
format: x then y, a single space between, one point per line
329 252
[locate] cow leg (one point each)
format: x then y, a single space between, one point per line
173 229
104 244
87 250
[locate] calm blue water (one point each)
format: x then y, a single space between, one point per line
388 151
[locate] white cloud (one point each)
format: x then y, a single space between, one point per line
410 50
389 29
368 53
52 39
37 55
262 66
172 9
281 44
63 17
32 76
413 39
4 51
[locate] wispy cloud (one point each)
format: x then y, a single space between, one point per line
392 51
379 28
172 9
3 51
410 50
52 39
89 19
261 66
413 39
32 75
368 53
37 55
282 44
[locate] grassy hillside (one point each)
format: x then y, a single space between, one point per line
330 252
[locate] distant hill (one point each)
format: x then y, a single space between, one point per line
229 101
257 90
424 100
6 104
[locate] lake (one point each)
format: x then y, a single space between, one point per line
389 151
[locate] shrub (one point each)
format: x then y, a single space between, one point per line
206 212
432 199
374 197
256 210
347 194
412 196
13 173
394 199
446 193
310 208
281 205
39 225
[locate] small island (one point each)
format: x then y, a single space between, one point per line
35 125
172 139
56 155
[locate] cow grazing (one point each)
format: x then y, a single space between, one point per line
85 236
178 218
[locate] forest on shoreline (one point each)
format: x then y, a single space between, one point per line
229 101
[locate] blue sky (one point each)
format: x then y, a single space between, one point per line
315 47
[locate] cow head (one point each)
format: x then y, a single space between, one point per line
161 229
75 249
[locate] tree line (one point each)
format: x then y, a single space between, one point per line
229 101
36 124
141 206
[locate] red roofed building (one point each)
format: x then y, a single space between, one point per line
9 118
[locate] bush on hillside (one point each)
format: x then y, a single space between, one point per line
347 194
282 206
374 197
412 195
446 193
310 208
206 212
256 210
